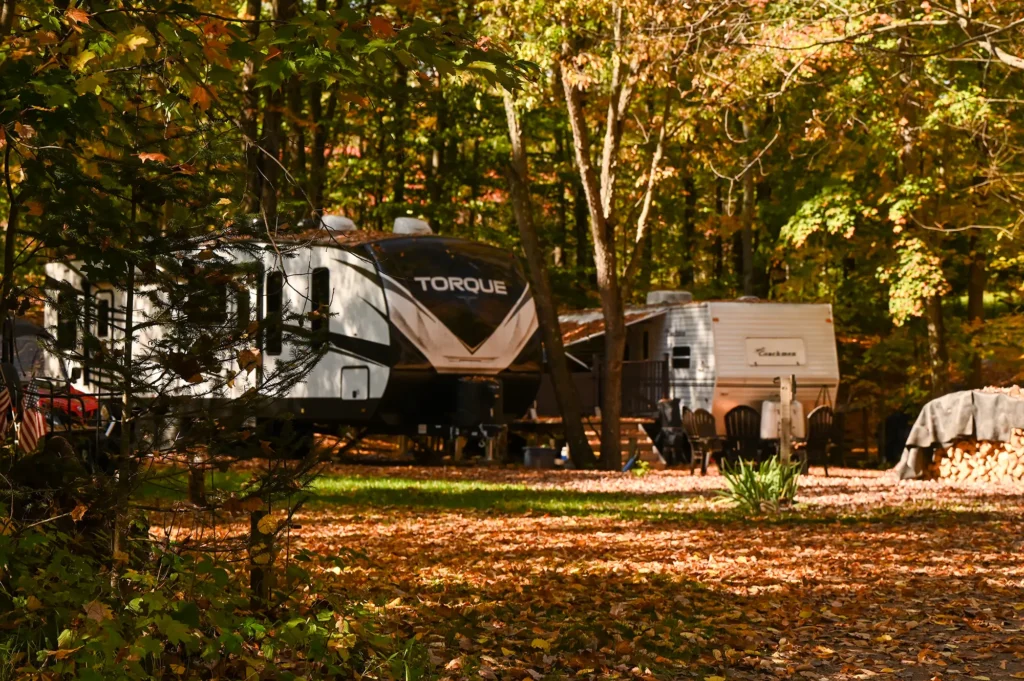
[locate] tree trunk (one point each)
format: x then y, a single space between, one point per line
937 356
977 279
284 10
401 104
7 15
10 248
580 228
318 150
296 161
565 392
607 285
250 117
747 222
687 271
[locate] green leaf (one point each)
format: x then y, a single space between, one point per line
174 630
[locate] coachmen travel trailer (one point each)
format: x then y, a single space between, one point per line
713 355
427 335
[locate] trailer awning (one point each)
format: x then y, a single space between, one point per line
579 327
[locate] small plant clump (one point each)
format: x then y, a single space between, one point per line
768 487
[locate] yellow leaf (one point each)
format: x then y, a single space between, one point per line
267 525
541 643
135 41
506 652
34 603
78 512
34 208
804 614
224 202
79 62
714 678
178 669
1017 675
395 603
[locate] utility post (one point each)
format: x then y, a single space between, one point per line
786 384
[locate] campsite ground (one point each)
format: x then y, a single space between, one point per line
516 574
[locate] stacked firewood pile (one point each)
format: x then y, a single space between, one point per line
981 461
970 460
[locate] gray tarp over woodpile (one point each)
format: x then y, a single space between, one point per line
969 414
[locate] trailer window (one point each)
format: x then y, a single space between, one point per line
103 318
275 309
320 304
681 357
66 327
243 309
647 345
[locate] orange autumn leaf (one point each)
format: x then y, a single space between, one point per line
201 96
153 156
382 27
77 15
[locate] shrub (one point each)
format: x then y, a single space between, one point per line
764 488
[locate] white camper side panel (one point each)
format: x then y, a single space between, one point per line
756 342
689 344
360 335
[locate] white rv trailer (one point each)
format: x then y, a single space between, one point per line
417 323
722 354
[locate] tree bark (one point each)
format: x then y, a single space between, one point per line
976 282
250 117
565 392
10 248
401 105
296 148
937 356
284 10
581 226
7 15
687 271
605 261
747 222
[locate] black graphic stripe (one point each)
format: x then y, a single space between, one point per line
360 348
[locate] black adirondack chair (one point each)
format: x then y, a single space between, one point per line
704 441
820 424
743 434
670 440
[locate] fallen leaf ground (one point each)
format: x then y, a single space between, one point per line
518 574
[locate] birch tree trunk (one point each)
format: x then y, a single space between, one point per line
565 392
605 262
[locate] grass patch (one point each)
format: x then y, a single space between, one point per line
494 497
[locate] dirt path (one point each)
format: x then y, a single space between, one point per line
869 580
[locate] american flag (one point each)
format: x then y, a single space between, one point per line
33 421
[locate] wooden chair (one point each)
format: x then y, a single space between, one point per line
704 441
819 436
743 434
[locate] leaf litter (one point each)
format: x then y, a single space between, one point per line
868 579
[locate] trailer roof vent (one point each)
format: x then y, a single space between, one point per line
748 299
337 223
669 297
412 226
